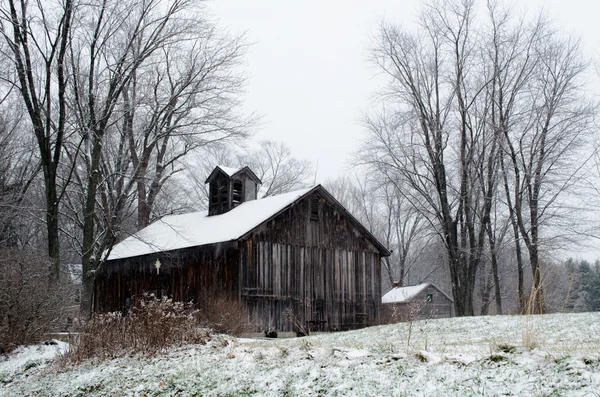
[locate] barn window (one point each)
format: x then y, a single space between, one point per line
237 192
429 297
214 192
314 208
223 192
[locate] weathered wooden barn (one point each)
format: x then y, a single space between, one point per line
417 302
297 260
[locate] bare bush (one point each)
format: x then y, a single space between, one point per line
223 315
28 309
404 312
151 325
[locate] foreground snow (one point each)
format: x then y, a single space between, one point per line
506 355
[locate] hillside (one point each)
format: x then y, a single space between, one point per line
556 354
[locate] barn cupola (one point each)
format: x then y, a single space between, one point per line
229 187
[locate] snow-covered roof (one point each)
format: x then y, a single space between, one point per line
229 170
403 294
197 228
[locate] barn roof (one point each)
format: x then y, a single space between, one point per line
197 228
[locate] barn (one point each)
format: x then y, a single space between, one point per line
416 302
296 261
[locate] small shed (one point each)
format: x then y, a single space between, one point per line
416 302
296 261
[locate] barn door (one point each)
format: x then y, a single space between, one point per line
318 318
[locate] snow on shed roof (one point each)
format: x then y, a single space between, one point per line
197 228
403 294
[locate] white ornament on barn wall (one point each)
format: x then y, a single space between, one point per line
157 265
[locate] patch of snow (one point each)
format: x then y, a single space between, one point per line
24 358
197 228
358 353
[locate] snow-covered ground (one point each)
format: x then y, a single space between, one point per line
555 354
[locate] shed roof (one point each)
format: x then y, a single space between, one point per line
230 170
403 294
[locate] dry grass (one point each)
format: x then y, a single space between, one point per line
531 337
222 315
154 324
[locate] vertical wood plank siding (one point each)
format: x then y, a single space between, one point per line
184 275
319 275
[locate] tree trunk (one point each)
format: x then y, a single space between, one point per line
494 270
143 210
485 291
89 261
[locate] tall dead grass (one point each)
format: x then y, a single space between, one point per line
222 315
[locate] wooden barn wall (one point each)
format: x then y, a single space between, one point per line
302 272
184 275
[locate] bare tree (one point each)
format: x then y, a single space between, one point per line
544 154
477 104
431 141
37 37
18 170
187 99
278 170
113 40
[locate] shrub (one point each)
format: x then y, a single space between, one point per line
222 315
151 325
30 306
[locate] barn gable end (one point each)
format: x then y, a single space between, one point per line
311 265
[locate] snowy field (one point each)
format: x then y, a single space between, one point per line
555 354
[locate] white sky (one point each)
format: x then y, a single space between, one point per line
308 67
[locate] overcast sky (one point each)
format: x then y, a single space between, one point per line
308 66
309 73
